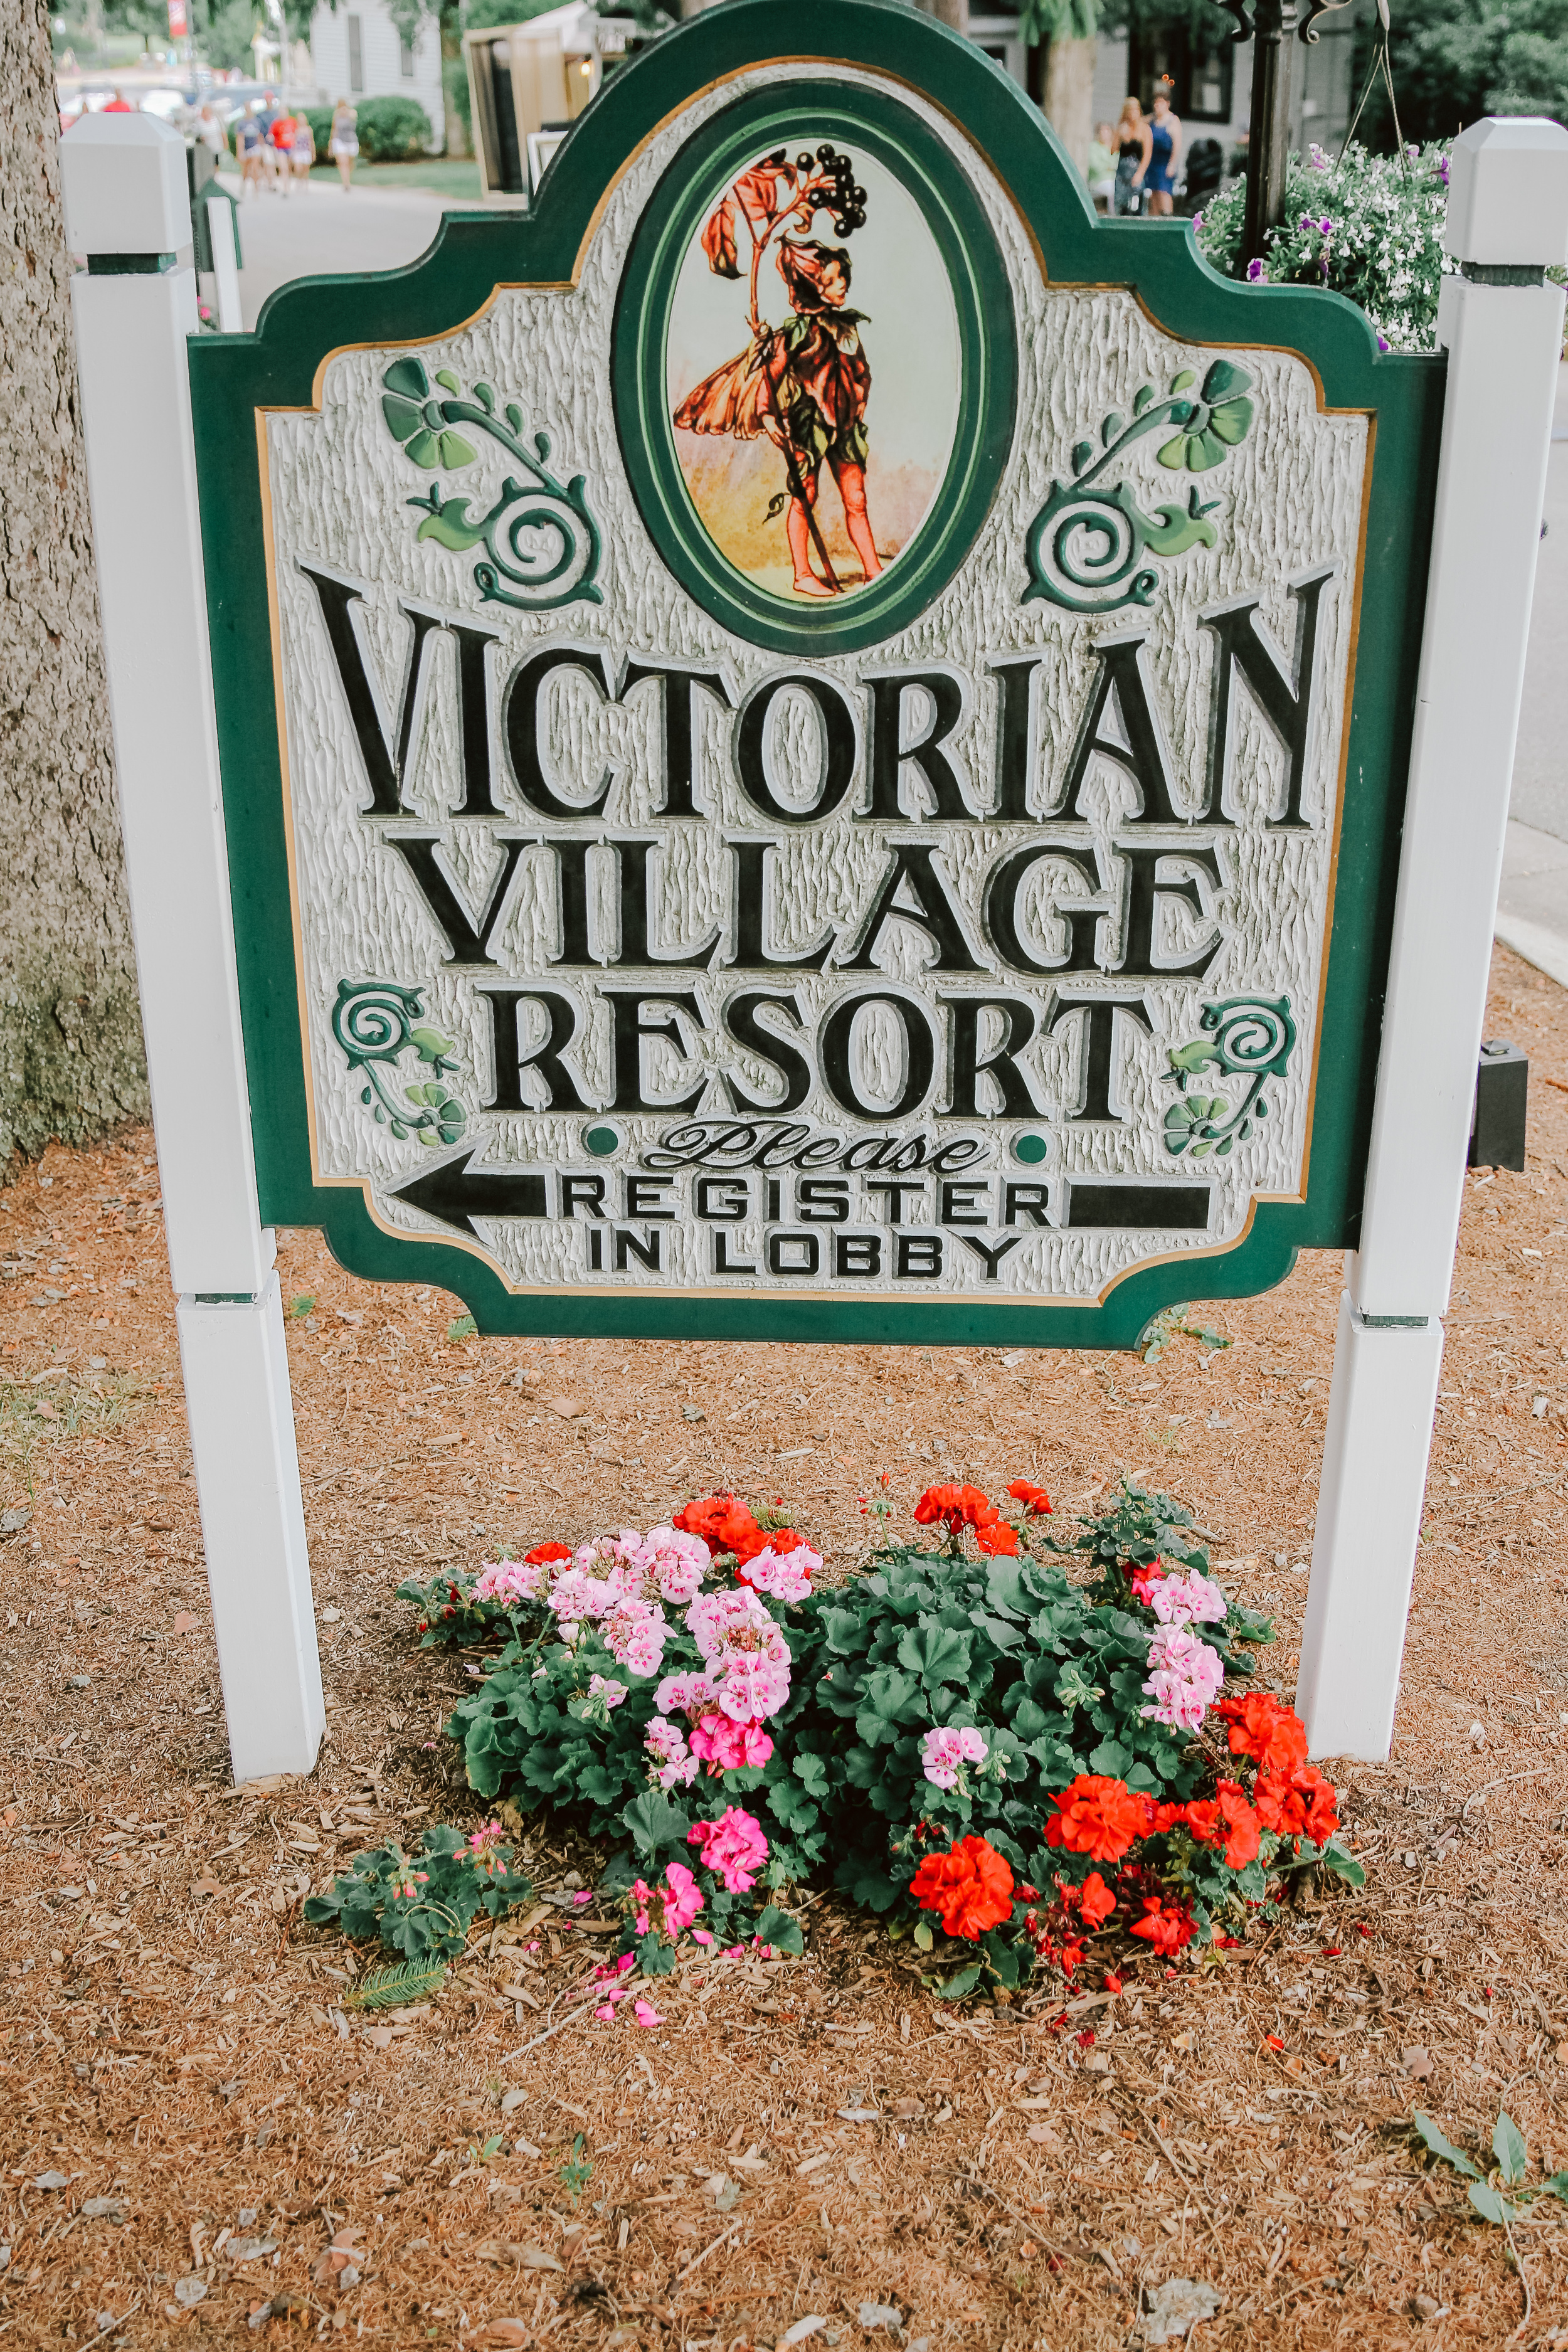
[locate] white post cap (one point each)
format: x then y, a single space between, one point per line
1508 193
125 188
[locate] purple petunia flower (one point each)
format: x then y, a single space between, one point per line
1254 271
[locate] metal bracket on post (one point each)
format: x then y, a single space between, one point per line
127 209
1502 328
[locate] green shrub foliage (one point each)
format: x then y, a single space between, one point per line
391 130
423 1905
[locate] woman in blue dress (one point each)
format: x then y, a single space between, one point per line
1165 143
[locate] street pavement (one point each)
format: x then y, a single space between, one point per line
316 229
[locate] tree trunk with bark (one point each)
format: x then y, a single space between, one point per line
1068 98
71 1060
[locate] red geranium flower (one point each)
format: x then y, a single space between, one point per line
1143 1576
542 1554
999 1538
1167 1927
971 1887
725 1525
1297 1804
961 1507
1033 1499
1263 1728
1226 1819
1097 1901
1098 1817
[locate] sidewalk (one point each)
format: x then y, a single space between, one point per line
316 230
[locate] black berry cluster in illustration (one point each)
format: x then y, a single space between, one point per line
841 198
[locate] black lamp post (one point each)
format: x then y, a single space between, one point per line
1271 27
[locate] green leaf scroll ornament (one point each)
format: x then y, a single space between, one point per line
376 1020
1086 546
1244 1036
542 543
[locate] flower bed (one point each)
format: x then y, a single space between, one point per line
967 1732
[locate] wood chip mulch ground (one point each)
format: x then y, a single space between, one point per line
199 2144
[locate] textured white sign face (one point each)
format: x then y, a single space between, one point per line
659 929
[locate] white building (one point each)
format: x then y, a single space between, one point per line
1210 81
357 53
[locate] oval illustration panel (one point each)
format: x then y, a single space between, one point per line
815 366
812 371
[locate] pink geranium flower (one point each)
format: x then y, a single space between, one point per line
725 1745
732 1847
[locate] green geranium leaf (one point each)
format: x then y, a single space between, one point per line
776 1928
654 1822
1343 1865
1508 2147
935 1653
1443 2148
956 1986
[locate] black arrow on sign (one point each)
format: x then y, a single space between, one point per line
450 1193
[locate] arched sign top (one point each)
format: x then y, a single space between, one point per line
813 737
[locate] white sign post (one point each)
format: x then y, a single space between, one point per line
1503 327
127 209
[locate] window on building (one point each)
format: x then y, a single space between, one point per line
405 58
1198 74
357 57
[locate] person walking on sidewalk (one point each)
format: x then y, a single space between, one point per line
302 154
281 142
250 148
343 142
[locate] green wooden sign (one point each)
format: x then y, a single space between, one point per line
813 737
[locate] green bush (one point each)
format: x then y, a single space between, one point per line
422 1905
319 119
392 129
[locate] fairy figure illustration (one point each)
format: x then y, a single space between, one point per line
805 384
